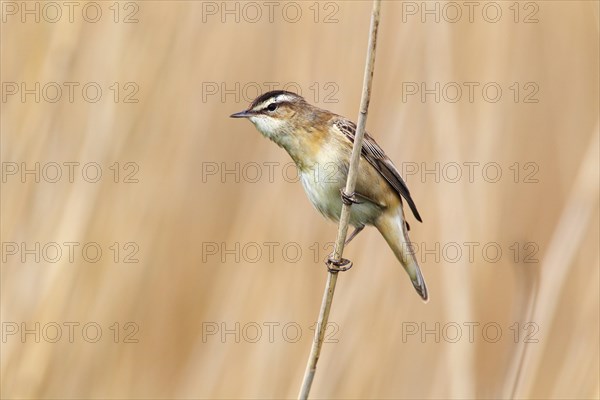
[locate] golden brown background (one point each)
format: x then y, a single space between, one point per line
179 132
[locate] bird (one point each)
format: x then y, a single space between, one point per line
320 144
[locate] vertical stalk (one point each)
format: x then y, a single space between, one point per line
315 351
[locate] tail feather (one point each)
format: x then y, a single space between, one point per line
419 284
393 228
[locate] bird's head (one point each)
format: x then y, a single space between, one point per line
277 113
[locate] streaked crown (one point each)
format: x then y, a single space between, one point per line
269 102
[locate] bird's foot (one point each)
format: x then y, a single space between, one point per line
348 199
357 230
335 266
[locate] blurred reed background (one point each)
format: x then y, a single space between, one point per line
203 236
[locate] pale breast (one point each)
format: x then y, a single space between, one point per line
323 183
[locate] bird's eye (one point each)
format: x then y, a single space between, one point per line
272 107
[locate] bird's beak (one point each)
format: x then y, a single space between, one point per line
241 114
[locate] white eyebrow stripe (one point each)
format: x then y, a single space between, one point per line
284 97
278 99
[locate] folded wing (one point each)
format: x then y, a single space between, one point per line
374 154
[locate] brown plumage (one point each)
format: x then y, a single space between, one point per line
320 143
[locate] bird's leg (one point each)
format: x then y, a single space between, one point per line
343 264
335 266
356 231
348 199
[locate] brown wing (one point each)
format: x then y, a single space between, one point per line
382 163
